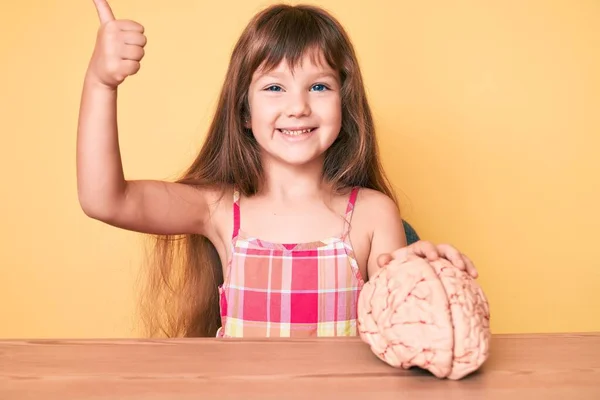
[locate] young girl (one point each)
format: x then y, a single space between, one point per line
284 214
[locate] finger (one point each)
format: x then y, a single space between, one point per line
132 52
128 25
383 260
428 249
130 67
417 248
134 38
401 254
104 11
470 267
458 262
452 255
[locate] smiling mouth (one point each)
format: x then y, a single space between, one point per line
296 132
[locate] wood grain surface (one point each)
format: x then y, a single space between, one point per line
551 366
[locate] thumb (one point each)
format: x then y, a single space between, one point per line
104 11
383 260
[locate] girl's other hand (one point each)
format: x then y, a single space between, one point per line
431 252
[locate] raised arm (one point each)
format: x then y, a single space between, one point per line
104 194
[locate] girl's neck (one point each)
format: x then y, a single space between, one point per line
285 182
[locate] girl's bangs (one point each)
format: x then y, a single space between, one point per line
291 34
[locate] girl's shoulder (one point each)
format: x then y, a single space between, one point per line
372 201
375 211
376 228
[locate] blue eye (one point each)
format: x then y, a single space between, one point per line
273 88
319 85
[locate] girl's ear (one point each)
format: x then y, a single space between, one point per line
247 123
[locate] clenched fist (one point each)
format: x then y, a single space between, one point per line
119 48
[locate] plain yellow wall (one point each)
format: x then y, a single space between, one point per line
488 118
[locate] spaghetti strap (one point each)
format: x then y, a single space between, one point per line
350 211
236 213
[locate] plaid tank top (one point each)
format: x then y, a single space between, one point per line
290 290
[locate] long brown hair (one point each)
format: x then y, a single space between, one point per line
181 288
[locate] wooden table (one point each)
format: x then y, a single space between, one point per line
520 367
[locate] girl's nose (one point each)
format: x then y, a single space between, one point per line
298 105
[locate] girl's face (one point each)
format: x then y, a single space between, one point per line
295 116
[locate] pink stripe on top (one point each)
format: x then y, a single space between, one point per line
290 290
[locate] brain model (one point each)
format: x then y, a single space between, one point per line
426 314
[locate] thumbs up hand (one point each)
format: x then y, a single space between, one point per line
119 48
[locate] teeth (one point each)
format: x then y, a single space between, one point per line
295 133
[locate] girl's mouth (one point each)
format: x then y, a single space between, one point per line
296 132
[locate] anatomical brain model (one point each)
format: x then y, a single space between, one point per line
426 314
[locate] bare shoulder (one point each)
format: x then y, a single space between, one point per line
374 204
373 195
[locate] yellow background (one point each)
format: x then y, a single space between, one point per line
488 118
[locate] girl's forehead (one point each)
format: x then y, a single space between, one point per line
309 63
